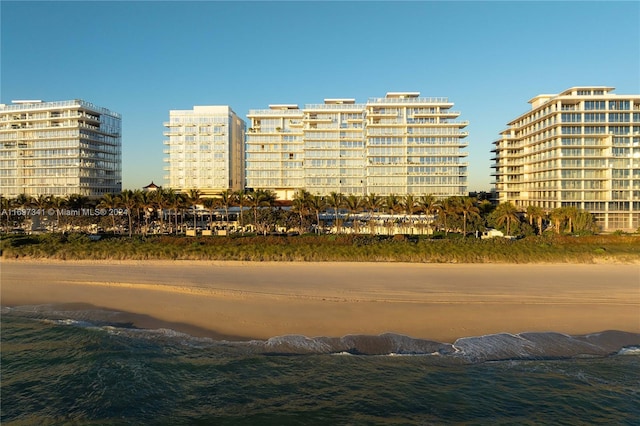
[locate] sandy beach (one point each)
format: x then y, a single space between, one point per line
260 300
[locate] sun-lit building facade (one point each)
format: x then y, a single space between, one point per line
579 148
400 144
334 147
59 148
414 146
205 150
275 150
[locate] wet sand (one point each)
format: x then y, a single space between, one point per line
244 300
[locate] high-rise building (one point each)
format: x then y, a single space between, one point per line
334 147
275 150
205 150
414 146
59 148
400 144
579 148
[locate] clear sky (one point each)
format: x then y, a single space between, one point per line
145 58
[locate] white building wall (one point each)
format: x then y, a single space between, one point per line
59 148
205 149
400 144
580 148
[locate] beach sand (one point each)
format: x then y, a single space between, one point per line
241 300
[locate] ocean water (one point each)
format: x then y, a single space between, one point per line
75 368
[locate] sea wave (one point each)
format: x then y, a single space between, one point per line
476 349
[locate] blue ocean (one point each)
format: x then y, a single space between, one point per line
74 368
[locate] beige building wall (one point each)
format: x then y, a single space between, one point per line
579 148
414 146
275 150
205 150
59 148
400 144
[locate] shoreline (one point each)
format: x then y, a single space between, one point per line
237 300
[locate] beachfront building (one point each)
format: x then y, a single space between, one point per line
205 150
59 148
400 144
414 146
334 147
275 150
579 148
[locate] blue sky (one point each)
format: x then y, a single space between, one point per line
145 58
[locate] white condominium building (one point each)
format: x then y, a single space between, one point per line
59 148
334 147
399 144
579 148
205 150
275 150
414 146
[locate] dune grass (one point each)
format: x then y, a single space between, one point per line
327 248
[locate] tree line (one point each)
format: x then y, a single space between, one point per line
170 212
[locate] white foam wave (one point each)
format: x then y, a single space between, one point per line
631 350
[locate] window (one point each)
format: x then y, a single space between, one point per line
619 130
619 105
617 117
595 105
571 118
594 117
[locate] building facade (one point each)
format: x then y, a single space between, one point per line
275 150
579 148
59 148
400 144
205 150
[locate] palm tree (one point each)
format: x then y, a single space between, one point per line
128 200
145 205
450 208
58 203
211 204
317 204
226 200
571 213
260 198
194 197
558 216
372 204
77 201
584 221
160 198
429 205
410 204
41 202
336 200
354 204
240 199
505 214
392 203
23 200
469 210
5 206
176 202
301 205
537 214
110 202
